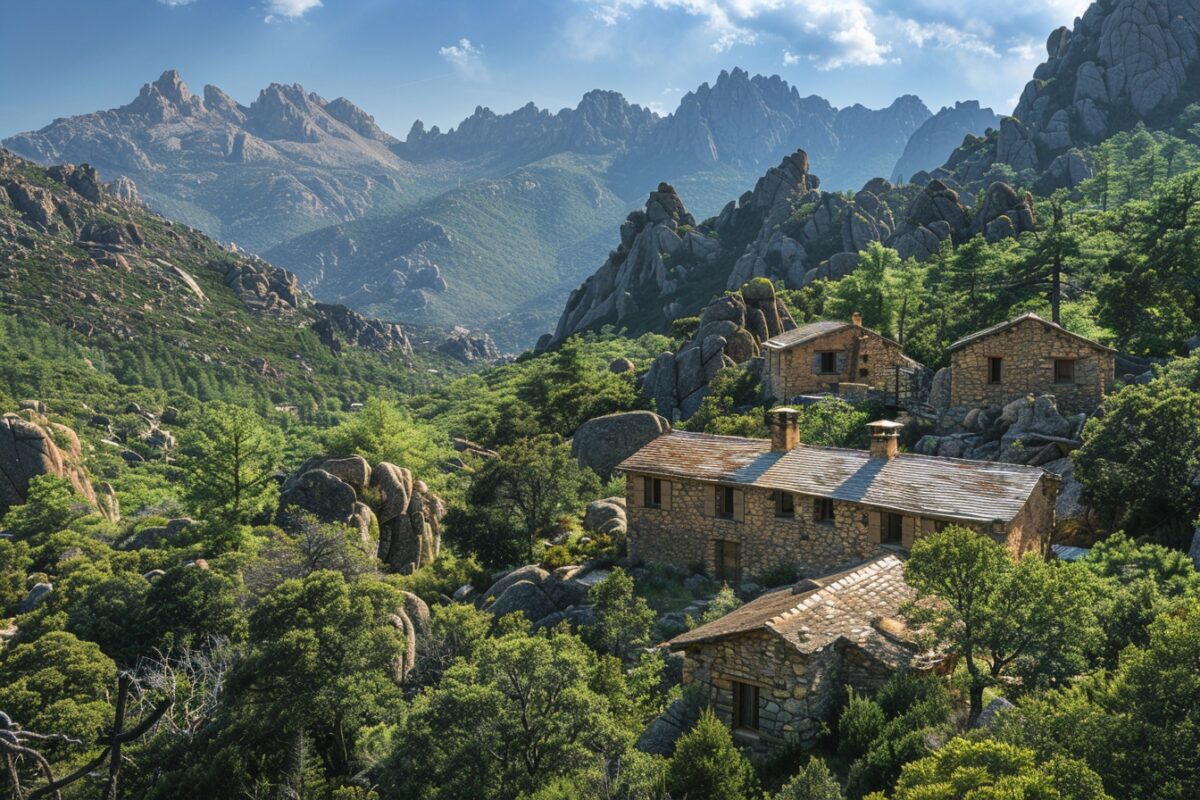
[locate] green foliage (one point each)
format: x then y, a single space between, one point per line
814 781
831 422
59 684
731 388
50 504
382 431
725 601
1030 618
525 711
985 769
859 725
623 620
1137 461
228 460
15 564
707 764
531 485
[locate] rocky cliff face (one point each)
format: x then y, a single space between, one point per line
787 229
938 136
1123 62
300 161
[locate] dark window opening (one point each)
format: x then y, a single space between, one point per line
829 362
864 372
995 369
652 492
728 556
725 502
785 504
893 528
745 706
940 525
823 509
1064 370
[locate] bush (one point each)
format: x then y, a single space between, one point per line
860 724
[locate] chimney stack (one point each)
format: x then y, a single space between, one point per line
856 318
885 439
785 429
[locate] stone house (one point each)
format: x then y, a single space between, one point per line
820 356
1030 355
773 669
735 507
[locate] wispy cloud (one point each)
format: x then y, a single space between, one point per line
174 3
289 9
467 60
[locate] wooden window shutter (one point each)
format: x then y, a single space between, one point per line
709 504
666 495
874 527
816 363
907 531
843 360
928 525
739 505
634 494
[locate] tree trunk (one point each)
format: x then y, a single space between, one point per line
114 762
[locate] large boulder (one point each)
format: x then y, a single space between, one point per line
321 494
531 573
606 516
602 443
525 597
29 449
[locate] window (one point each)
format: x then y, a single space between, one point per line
893 528
745 706
1064 370
940 525
995 369
828 362
785 504
728 561
725 502
864 372
652 488
823 509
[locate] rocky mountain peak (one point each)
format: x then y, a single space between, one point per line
165 99
357 120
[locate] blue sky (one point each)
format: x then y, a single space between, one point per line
402 60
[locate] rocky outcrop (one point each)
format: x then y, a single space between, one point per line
383 501
467 347
337 324
607 517
1029 430
731 331
1123 62
32 446
545 598
931 144
603 442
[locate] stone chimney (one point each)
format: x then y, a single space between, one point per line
885 438
785 429
856 318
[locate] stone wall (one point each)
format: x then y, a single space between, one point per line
1030 530
868 359
1029 349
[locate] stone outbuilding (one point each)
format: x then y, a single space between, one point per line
821 356
737 507
773 669
1030 355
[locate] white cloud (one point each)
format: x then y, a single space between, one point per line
289 9
467 60
175 3
790 58
939 34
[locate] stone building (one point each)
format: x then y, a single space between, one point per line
737 507
820 356
1030 355
773 669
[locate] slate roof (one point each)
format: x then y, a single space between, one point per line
951 488
859 606
1023 318
804 333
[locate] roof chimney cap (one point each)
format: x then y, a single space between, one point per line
856 318
885 427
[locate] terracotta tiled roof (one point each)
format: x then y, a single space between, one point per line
1030 316
950 488
855 605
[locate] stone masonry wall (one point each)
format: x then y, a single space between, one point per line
870 359
684 531
1029 349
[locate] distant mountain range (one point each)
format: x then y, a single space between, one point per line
488 224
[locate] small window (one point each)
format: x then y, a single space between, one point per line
893 528
829 363
727 556
1064 370
864 372
940 525
745 706
725 502
823 509
995 369
652 487
785 504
